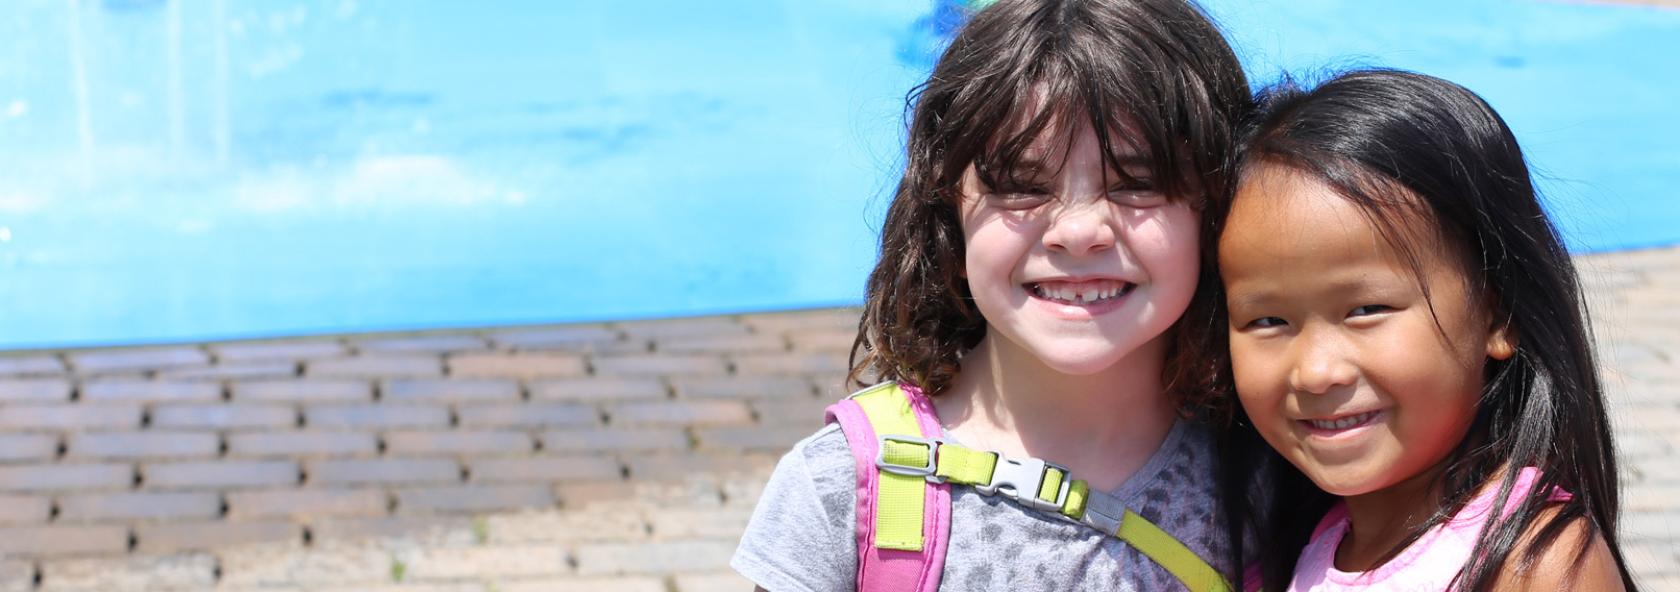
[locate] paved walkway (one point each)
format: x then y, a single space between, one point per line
583 457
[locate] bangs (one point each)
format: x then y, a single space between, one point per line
1024 78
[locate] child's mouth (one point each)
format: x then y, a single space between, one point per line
1080 293
1341 424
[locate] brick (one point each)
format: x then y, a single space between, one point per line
473 498
704 344
677 413
266 567
542 469
39 541
138 506
806 414
761 438
302 443
224 416
786 322
612 497
376 416
613 439
34 390
564 528
580 338
498 561
528 415
149 391
66 476
384 470
306 503
30 364
172 537
691 523
666 465
575 584
435 530
654 557
430 390
134 360
692 326
220 474
24 509
305 390
420 344
712 582
521 365
149 444
28 447
598 389
660 364
375 367
267 351
69 417
832 341
790 363
128 573
17 575
458 442
237 371
743 387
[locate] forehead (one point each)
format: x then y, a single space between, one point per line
1284 219
1044 128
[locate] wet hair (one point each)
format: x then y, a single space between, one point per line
1407 148
1154 77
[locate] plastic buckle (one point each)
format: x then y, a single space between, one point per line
1012 477
926 471
1104 513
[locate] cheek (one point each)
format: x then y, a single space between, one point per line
1167 242
1256 378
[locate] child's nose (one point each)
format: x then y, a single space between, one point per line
1081 228
1321 365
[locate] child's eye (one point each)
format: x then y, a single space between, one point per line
1018 199
1137 198
1265 323
1369 309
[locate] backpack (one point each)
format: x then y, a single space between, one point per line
904 475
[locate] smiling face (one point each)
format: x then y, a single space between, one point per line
1338 358
1071 262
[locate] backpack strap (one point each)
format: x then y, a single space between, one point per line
903 521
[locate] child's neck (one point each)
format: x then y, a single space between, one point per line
1102 426
1380 520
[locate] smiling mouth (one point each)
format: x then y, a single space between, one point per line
1342 423
1081 293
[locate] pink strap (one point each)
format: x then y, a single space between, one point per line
881 570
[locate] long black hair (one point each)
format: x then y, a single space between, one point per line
1401 145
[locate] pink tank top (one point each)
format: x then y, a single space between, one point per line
1430 563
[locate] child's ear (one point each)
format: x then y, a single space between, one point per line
1502 340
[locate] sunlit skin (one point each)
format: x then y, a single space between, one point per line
1078 273
1329 325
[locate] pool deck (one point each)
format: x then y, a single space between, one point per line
581 457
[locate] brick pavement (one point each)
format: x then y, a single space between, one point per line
580 457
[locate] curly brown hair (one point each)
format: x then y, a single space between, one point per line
1155 72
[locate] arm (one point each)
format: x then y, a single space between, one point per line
1578 559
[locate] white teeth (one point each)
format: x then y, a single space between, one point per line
1069 295
1343 423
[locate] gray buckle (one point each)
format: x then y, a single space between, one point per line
1011 477
1103 512
926 471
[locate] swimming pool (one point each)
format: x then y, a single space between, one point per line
204 169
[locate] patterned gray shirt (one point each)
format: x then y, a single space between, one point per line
800 538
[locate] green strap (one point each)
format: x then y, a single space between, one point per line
966 466
899 498
1166 551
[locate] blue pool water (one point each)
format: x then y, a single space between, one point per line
202 169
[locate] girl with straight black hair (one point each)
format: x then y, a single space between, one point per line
1406 330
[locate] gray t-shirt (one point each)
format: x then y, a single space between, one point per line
801 537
